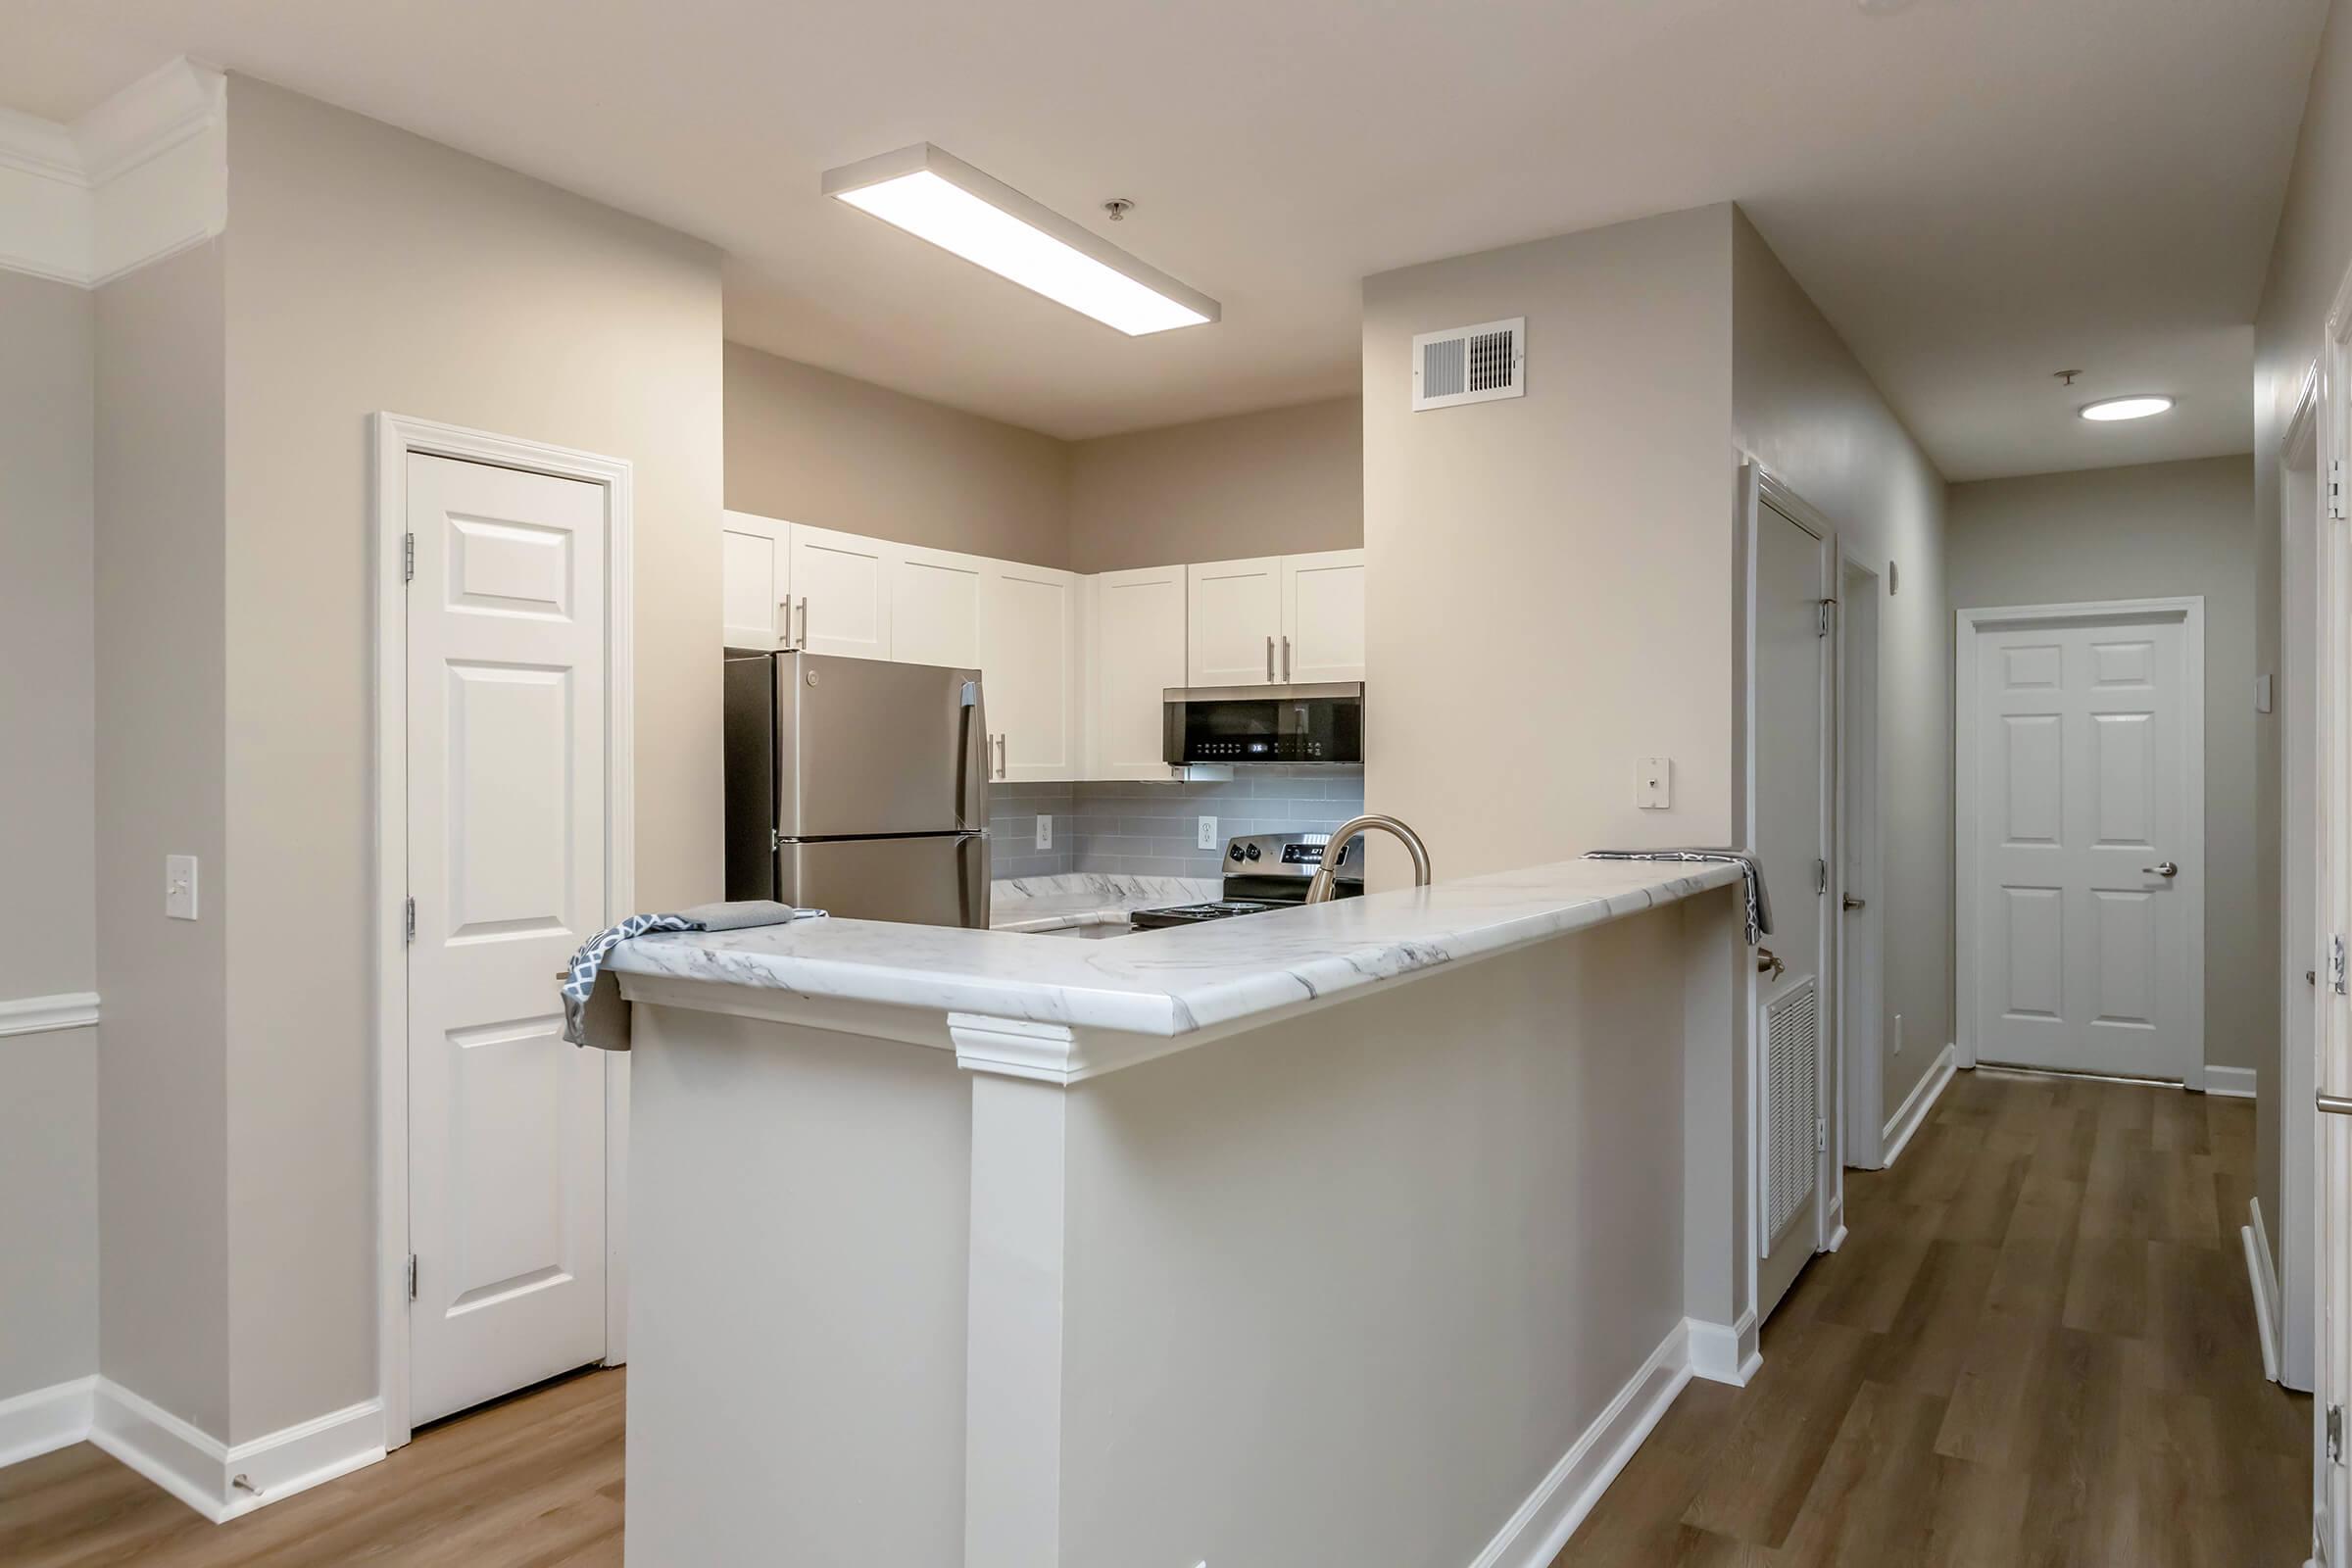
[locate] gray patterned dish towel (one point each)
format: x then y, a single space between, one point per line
1760 905
594 1013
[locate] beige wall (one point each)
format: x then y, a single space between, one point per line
810 445
1802 406
369 269
2162 528
1528 558
2308 262
1257 484
163 1111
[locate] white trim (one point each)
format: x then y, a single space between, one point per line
1541 1525
2235 1083
1967 624
396 437
36 1016
1722 1354
2264 1282
1861 1077
45 1419
1912 1113
142 176
221 1481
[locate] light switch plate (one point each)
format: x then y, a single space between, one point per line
1207 839
1898 1036
1045 831
179 887
2262 694
1653 783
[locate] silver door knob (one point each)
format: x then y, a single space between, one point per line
2163 868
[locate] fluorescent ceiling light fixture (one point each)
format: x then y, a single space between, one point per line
2139 406
944 200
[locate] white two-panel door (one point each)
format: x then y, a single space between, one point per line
507 865
2082 857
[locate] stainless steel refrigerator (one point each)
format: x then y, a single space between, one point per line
858 786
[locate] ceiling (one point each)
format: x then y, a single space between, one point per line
1976 192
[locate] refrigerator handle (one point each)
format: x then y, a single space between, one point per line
972 892
969 739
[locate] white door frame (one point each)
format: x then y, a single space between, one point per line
1969 622
396 437
2291 1289
1862 1079
1759 487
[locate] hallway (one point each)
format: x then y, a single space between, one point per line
2035 1349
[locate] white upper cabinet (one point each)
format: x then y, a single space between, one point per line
1135 652
755 574
1323 616
1233 622
840 593
935 608
1030 670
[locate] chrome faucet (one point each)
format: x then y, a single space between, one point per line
1319 891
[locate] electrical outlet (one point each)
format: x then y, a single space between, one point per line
1045 831
1653 783
179 887
1898 1034
1207 839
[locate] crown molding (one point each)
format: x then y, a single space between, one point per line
141 176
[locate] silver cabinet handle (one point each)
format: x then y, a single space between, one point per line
804 642
784 630
2163 868
1286 659
2337 1105
999 755
1269 659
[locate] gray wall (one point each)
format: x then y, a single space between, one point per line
1559 540
1150 829
2162 528
371 270
162 775
1803 406
1277 482
2308 262
813 446
48 1082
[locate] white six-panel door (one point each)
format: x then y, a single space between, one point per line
506 862
2081 850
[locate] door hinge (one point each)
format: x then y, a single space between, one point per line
2335 487
2335 1434
408 924
2335 963
1827 609
1821 1136
412 1275
407 559
1820 876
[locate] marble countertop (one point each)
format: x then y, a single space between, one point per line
1173 982
1088 898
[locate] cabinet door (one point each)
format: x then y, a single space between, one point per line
753 575
1135 652
842 584
935 608
1323 616
1029 670
1232 618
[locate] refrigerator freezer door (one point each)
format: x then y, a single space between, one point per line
939 880
867 747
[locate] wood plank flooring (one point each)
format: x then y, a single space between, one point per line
533 1482
2037 1349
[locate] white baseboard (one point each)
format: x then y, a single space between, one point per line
203 1472
1543 1524
40 1016
1913 1111
2235 1082
2265 1281
44 1419
1723 1353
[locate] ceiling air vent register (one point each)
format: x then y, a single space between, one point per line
1470 365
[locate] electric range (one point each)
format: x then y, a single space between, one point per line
1264 871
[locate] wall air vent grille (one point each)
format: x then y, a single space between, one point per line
1470 363
1792 1107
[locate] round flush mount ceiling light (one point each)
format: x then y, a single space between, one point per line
2138 406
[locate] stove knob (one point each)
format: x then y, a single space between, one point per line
1251 851
1235 852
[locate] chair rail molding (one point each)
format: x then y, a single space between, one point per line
40 1016
142 176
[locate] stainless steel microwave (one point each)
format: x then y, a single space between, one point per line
1320 722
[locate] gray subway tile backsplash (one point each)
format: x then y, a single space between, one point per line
1149 829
